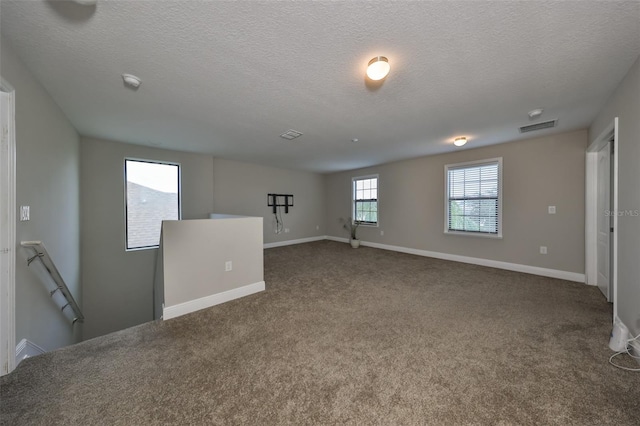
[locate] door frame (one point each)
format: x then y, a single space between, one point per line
8 240
591 210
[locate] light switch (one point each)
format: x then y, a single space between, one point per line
24 213
552 209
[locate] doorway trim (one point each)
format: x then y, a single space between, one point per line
591 210
8 238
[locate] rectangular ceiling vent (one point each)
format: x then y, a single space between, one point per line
538 126
291 134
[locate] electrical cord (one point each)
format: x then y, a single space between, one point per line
628 352
279 221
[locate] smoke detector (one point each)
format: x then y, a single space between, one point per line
535 113
131 80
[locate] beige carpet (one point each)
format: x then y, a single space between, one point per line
344 336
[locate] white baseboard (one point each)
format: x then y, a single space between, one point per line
338 239
535 270
26 349
212 300
292 242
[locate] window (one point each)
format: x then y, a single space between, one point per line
473 198
365 199
152 195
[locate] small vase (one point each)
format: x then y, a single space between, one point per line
355 243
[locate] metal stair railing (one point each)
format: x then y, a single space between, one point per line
40 252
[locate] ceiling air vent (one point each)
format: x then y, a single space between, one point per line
538 126
291 134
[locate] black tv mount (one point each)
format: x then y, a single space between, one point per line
280 200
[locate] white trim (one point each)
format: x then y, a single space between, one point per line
454 166
26 349
338 239
591 209
591 231
517 267
292 242
212 300
353 198
8 243
527 269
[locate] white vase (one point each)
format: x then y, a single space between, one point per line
355 243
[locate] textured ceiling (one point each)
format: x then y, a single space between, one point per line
227 78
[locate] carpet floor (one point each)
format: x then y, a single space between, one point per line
354 337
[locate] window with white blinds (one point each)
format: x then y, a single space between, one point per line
473 198
365 199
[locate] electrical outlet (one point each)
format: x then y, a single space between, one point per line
317 227
552 209
24 213
543 250
228 266
286 230
382 233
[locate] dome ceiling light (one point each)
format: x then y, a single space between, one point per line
460 141
378 68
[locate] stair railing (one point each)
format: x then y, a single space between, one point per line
61 294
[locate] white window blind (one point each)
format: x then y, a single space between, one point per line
365 199
473 198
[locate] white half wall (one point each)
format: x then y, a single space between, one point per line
210 261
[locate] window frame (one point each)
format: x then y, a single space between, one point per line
126 207
447 167
353 199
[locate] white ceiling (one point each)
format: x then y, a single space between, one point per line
227 78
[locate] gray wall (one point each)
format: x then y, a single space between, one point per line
625 104
242 188
118 285
536 173
47 180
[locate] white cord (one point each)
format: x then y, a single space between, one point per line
279 221
628 352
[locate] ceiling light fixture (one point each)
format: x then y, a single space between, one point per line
131 80
460 141
378 68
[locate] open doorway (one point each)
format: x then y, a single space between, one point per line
601 207
7 228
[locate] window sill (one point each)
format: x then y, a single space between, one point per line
142 248
370 225
474 234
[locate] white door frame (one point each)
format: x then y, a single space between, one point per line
8 236
591 210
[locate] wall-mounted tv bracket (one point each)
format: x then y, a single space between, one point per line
280 200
